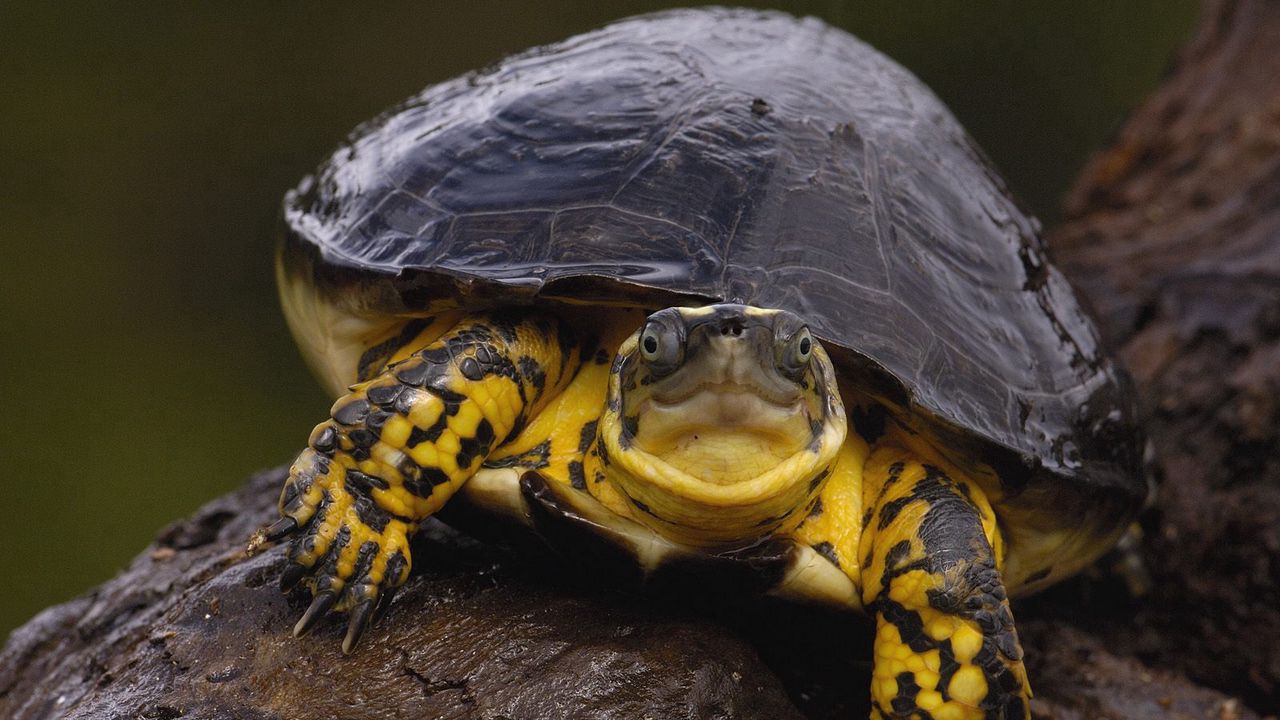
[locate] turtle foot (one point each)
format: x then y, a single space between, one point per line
349 553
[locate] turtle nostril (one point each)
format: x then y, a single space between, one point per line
731 327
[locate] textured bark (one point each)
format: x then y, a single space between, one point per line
195 629
1173 234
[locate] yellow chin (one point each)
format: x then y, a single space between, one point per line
690 509
720 468
712 455
737 436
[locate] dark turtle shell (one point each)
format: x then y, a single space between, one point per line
704 155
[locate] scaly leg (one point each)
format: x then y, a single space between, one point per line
397 447
945 646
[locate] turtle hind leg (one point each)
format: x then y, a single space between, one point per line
400 445
945 645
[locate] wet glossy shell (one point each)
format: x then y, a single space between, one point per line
735 155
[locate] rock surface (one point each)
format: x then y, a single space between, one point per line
1174 234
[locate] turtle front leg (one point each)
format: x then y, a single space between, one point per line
945 646
399 446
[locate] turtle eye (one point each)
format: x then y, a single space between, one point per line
797 352
661 347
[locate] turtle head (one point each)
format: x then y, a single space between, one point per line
721 421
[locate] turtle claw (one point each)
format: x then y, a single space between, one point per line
280 528
348 556
320 607
291 576
361 615
384 602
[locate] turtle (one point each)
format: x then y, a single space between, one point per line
720 286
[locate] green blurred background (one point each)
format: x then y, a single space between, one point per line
144 149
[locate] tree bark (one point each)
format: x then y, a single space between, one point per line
195 628
1174 235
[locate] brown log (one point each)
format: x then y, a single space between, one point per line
1174 234
194 628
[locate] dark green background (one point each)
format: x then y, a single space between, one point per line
144 367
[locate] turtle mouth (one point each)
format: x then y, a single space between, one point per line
730 391
731 365
725 417
726 386
720 409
